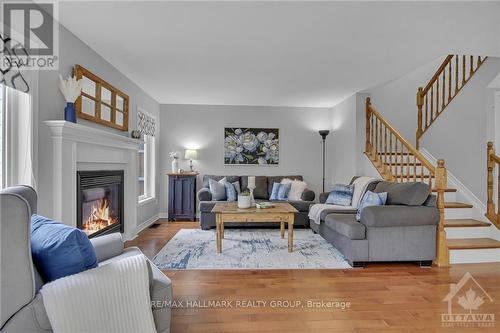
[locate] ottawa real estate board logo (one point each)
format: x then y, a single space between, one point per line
29 36
465 300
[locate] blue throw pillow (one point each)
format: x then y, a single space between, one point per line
231 193
283 191
274 191
341 195
59 250
371 199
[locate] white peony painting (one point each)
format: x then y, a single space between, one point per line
254 146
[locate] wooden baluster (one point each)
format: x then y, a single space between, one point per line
385 145
456 74
391 152
442 252
449 82
422 173
432 104
426 111
444 89
437 98
463 70
420 103
497 213
380 138
376 137
471 67
414 169
490 163
479 61
401 162
408 175
368 126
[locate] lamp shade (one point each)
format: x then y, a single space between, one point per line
190 154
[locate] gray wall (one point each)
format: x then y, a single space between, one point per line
202 126
460 133
51 107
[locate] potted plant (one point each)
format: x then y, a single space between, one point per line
71 88
244 199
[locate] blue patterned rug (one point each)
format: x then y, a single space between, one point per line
248 249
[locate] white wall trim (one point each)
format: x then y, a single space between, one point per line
145 225
163 215
456 183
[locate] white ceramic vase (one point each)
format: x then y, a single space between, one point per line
175 165
244 201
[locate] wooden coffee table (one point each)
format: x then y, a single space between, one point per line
229 212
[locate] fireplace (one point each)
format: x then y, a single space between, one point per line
100 202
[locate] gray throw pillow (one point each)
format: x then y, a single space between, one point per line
217 189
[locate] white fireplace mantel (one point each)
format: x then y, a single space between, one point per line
77 147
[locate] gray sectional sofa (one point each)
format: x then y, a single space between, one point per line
262 192
402 230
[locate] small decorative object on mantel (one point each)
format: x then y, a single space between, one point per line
135 134
244 200
71 89
175 163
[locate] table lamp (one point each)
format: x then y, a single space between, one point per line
191 154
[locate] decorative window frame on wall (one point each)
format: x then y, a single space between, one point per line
111 120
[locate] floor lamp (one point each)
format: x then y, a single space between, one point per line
324 134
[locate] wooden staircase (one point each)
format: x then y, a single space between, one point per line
449 79
398 160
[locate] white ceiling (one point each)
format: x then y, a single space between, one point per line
276 53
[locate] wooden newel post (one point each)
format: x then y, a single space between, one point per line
368 126
420 104
442 252
490 207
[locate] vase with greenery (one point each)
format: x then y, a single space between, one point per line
244 199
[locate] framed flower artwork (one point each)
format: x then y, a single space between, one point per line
251 146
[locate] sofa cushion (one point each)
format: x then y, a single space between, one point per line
337 210
341 195
346 225
218 189
230 179
409 194
277 179
60 250
260 191
206 206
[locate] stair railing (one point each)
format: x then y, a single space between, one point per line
493 162
453 74
387 149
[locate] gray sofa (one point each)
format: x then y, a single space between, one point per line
262 192
22 308
402 230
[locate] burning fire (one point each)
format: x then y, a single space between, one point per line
100 217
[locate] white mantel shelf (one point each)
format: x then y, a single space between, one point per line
82 133
76 147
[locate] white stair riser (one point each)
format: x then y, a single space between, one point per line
470 232
458 213
474 256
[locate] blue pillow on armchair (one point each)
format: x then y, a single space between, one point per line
59 250
371 199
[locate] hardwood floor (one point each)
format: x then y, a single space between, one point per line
383 297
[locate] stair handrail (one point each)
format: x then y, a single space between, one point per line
450 87
373 142
492 212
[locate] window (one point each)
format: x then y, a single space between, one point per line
2 122
16 163
146 166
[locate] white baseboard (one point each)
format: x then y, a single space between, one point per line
163 215
143 226
461 188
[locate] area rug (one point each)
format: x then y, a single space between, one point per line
248 249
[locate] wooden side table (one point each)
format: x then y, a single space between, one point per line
182 196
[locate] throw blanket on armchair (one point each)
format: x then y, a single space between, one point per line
360 185
110 298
